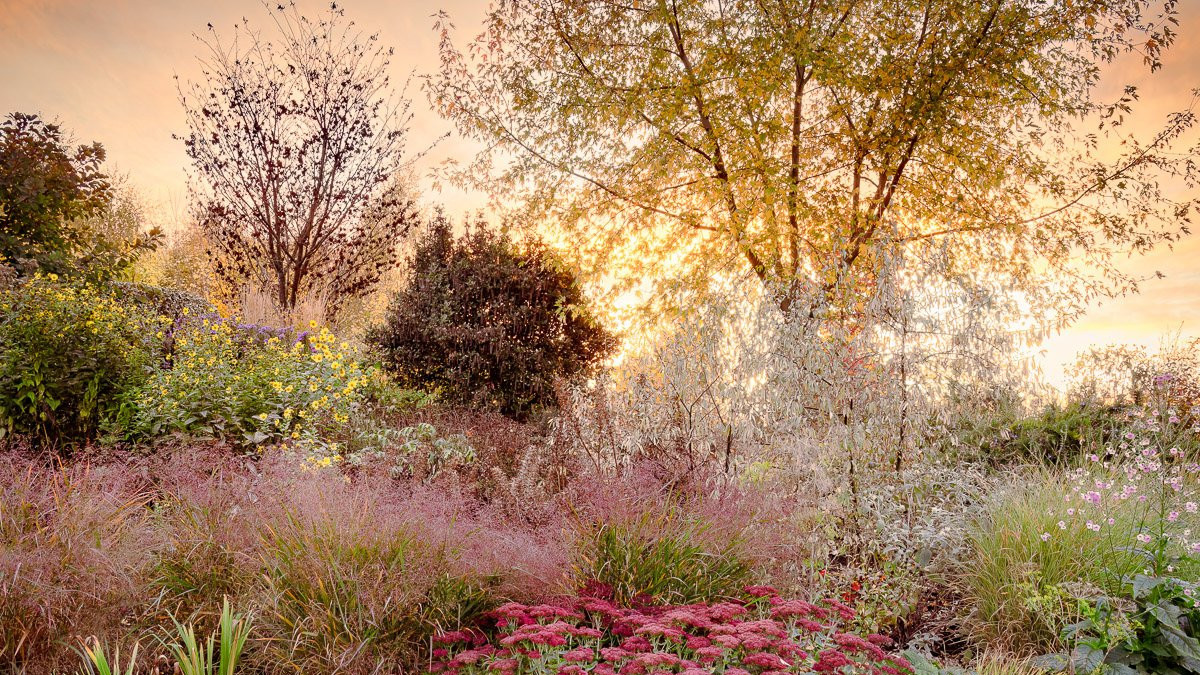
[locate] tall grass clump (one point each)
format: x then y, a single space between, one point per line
350 596
637 539
74 551
1014 575
343 576
660 558
995 662
211 521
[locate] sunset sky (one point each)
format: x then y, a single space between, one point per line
105 70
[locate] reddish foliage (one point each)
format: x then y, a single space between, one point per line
760 634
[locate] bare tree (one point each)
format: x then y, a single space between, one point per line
295 144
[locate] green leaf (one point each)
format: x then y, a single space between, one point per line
1142 585
256 438
1057 662
1086 659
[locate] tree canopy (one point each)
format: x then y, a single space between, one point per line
60 211
297 143
808 140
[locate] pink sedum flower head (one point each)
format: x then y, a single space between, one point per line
590 637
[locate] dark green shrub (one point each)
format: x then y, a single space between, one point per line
1057 436
59 212
44 185
484 322
69 355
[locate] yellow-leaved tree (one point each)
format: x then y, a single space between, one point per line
809 141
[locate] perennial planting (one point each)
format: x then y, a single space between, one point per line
757 634
68 354
1137 505
1140 489
250 384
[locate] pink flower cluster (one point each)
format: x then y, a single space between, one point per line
1144 481
762 634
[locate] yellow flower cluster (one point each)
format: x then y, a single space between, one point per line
316 463
69 311
70 348
257 384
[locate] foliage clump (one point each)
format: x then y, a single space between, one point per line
68 351
44 184
249 384
488 323
163 301
755 632
60 213
1061 564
